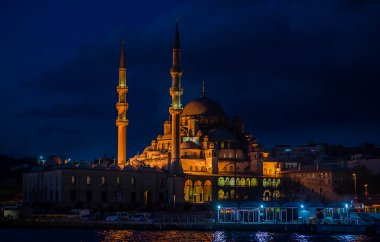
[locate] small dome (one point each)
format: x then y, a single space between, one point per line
54 160
100 167
84 165
220 134
114 167
129 167
189 145
203 107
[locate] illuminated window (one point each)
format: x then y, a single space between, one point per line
207 191
232 181
264 182
220 194
118 181
103 180
242 182
133 181
73 181
88 180
221 181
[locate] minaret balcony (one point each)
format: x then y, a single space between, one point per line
122 122
122 89
175 91
122 107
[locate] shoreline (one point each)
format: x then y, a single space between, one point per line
369 229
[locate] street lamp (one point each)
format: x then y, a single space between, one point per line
366 193
218 212
354 177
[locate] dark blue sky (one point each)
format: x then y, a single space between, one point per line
295 71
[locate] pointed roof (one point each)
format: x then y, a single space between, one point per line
122 57
176 44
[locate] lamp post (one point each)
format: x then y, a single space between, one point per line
354 177
218 212
366 193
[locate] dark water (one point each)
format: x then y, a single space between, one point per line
41 235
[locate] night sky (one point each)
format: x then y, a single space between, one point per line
295 71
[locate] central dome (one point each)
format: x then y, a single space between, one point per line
203 107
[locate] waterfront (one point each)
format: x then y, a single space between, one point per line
136 235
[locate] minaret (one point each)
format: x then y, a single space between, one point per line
176 176
122 107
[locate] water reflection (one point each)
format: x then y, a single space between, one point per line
352 238
173 236
221 236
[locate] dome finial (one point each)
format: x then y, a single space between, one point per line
203 88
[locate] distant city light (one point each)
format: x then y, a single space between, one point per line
218 206
261 206
302 206
346 205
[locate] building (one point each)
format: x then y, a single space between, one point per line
202 156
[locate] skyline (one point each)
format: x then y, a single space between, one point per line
62 101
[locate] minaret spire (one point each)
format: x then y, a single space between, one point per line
176 176
122 107
122 56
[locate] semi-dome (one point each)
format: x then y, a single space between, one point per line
203 107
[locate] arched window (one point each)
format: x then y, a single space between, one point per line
266 195
133 181
221 181
254 182
278 182
220 194
88 180
264 182
103 180
242 182
269 182
198 192
232 194
274 184
276 194
232 182
207 191
147 198
188 190
227 182
237 182
118 181
73 180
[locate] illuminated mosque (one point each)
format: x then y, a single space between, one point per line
207 154
202 156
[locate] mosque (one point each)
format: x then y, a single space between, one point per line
201 156
207 154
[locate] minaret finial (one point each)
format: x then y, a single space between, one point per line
122 56
203 88
176 44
